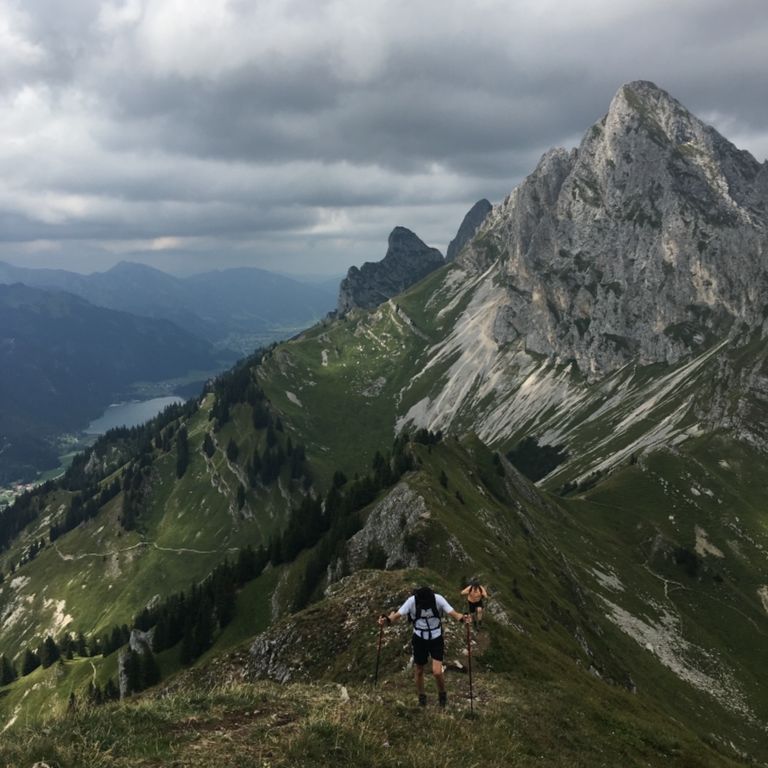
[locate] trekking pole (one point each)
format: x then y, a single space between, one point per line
378 656
469 662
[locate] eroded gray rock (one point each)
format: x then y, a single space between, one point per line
474 219
407 261
644 244
387 527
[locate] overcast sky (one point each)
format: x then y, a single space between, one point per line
294 135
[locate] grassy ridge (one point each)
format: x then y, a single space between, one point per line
518 723
554 675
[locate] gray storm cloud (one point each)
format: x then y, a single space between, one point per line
295 135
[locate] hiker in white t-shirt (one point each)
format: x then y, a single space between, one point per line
424 608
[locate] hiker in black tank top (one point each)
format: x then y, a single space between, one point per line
475 593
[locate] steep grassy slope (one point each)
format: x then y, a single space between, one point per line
430 359
556 681
577 611
683 536
101 574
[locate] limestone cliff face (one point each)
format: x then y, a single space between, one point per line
474 219
644 244
387 527
407 261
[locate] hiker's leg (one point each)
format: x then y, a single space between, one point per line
479 613
418 676
419 660
437 673
436 651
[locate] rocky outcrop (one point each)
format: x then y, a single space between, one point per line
142 642
139 643
644 244
407 261
472 222
321 640
387 528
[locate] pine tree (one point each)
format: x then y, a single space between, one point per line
7 671
111 691
132 671
261 416
94 695
143 621
208 447
96 647
49 652
224 600
30 663
114 642
249 564
204 627
150 671
255 468
187 650
182 452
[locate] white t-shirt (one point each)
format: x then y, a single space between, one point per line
427 627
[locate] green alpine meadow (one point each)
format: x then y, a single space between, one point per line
572 410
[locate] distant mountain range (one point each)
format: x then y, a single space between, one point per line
71 343
237 308
64 359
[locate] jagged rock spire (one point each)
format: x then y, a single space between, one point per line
407 261
469 226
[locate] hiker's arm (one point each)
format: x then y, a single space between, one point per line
485 591
389 618
465 591
459 616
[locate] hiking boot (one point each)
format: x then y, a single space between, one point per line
442 698
422 699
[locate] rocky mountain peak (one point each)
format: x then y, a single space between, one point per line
469 226
407 261
643 244
647 124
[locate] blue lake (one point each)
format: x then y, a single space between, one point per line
129 414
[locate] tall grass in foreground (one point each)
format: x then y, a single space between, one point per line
271 726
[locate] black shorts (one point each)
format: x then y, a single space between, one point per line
423 648
474 606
